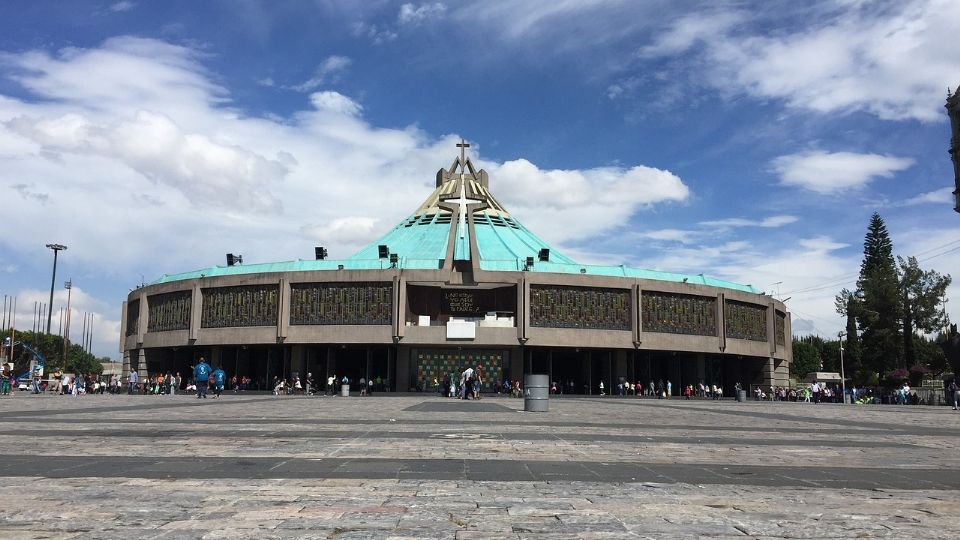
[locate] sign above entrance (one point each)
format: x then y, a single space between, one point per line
459 302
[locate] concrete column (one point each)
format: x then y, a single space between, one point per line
196 312
125 370
400 378
283 311
143 319
142 363
768 374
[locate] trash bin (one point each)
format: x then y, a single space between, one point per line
536 393
345 390
741 395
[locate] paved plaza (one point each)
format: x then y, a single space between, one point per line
421 466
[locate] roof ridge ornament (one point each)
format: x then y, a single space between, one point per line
462 162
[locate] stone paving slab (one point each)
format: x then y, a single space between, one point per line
420 466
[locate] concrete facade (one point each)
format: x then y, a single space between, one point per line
524 346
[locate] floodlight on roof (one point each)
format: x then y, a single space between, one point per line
383 251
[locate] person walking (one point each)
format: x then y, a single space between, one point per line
219 379
201 374
132 381
955 390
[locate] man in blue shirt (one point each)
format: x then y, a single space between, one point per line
201 372
132 381
219 379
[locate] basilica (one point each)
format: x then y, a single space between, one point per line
460 282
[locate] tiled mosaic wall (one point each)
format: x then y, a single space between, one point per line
249 305
170 311
745 321
435 364
669 313
341 303
554 306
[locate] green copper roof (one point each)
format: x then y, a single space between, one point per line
421 241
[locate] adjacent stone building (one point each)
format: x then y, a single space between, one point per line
461 282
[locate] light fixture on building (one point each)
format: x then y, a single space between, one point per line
529 264
383 251
320 253
394 259
544 254
234 259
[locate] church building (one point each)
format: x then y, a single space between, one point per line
460 282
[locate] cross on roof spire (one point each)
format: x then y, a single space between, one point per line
463 145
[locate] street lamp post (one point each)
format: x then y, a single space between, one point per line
843 378
56 249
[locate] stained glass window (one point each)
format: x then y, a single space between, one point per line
781 330
170 311
133 317
341 303
670 313
248 305
554 306
745 321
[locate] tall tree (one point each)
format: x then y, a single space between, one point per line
848 306
806 358
921 292
876 303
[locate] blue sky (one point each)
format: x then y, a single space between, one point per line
749 141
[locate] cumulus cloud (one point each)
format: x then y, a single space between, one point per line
832 172
149 169
601 198
888 62
206 172
348 230
335 102
328 71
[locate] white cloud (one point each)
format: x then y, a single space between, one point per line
125 5
414 15
832 172
149 170
769 222
939 196
335 102
350 230
328 71
208 173
890 62
671 235
378 35
601 198
106 325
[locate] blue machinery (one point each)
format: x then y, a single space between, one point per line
36 366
